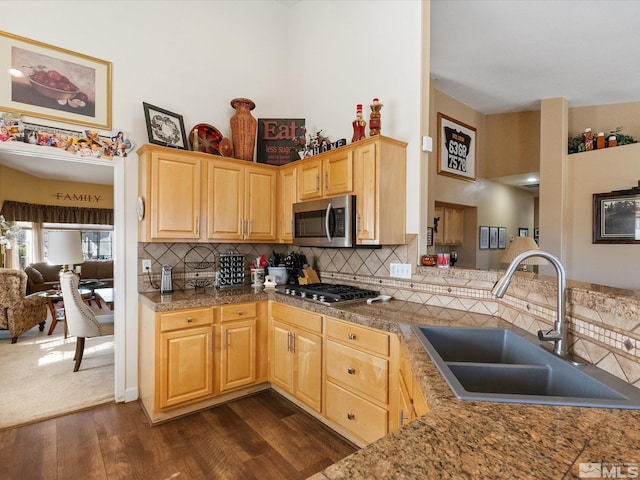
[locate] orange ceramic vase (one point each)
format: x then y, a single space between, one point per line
243 129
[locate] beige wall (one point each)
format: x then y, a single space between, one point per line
22 187
495 204
605 118
512 144
599 172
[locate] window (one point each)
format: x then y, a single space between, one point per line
97 240
24 246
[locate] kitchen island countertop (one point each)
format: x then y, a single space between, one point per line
463 439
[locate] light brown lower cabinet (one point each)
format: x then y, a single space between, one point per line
296 353
360 363
186 357
195 358
238 334
351 376
411 401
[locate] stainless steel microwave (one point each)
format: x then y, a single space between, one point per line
328 222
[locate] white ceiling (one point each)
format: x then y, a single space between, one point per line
501 56
44 162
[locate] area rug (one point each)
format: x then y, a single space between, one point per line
37 380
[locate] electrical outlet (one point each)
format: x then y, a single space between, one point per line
146 265
400 270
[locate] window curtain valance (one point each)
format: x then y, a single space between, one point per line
31 212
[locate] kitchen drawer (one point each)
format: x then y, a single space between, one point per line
186 319
238 311
358 337
297 317
362 418
358 371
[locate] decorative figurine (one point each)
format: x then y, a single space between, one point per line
374 119
358 125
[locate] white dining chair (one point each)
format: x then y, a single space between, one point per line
81 321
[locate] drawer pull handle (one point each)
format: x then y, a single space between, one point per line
352 336
240 312
351 416
189 319
351 371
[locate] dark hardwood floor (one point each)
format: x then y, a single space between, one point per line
263 436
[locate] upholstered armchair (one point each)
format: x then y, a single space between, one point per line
19 312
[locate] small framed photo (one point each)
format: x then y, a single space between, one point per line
502 237
493 237
164 127
523 232
456 149
429 236
484 238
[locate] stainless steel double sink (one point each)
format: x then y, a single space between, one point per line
512 365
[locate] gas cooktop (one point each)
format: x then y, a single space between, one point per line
327 293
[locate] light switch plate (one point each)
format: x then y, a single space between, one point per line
400 270
427 144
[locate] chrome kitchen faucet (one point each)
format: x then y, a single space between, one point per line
559 334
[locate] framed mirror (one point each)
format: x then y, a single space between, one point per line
616 216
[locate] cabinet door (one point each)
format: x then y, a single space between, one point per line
366 193
238 354
225 194
453 226
260 204
287 189
281 356
338 173
174 205
310 179
186 366
308 368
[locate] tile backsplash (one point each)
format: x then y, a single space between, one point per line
368 262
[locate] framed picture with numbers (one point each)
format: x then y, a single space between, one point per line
456 149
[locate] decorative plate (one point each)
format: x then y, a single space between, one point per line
140 208
208 138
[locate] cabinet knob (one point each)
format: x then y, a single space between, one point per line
240 312
351 371
351 416
189 319
352 336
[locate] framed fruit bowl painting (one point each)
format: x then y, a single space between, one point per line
44 81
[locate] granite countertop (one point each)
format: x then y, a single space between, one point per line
462 439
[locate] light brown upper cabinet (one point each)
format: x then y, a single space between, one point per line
192 196
326 175
380 186
170 195
287 196
241 201
450 226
